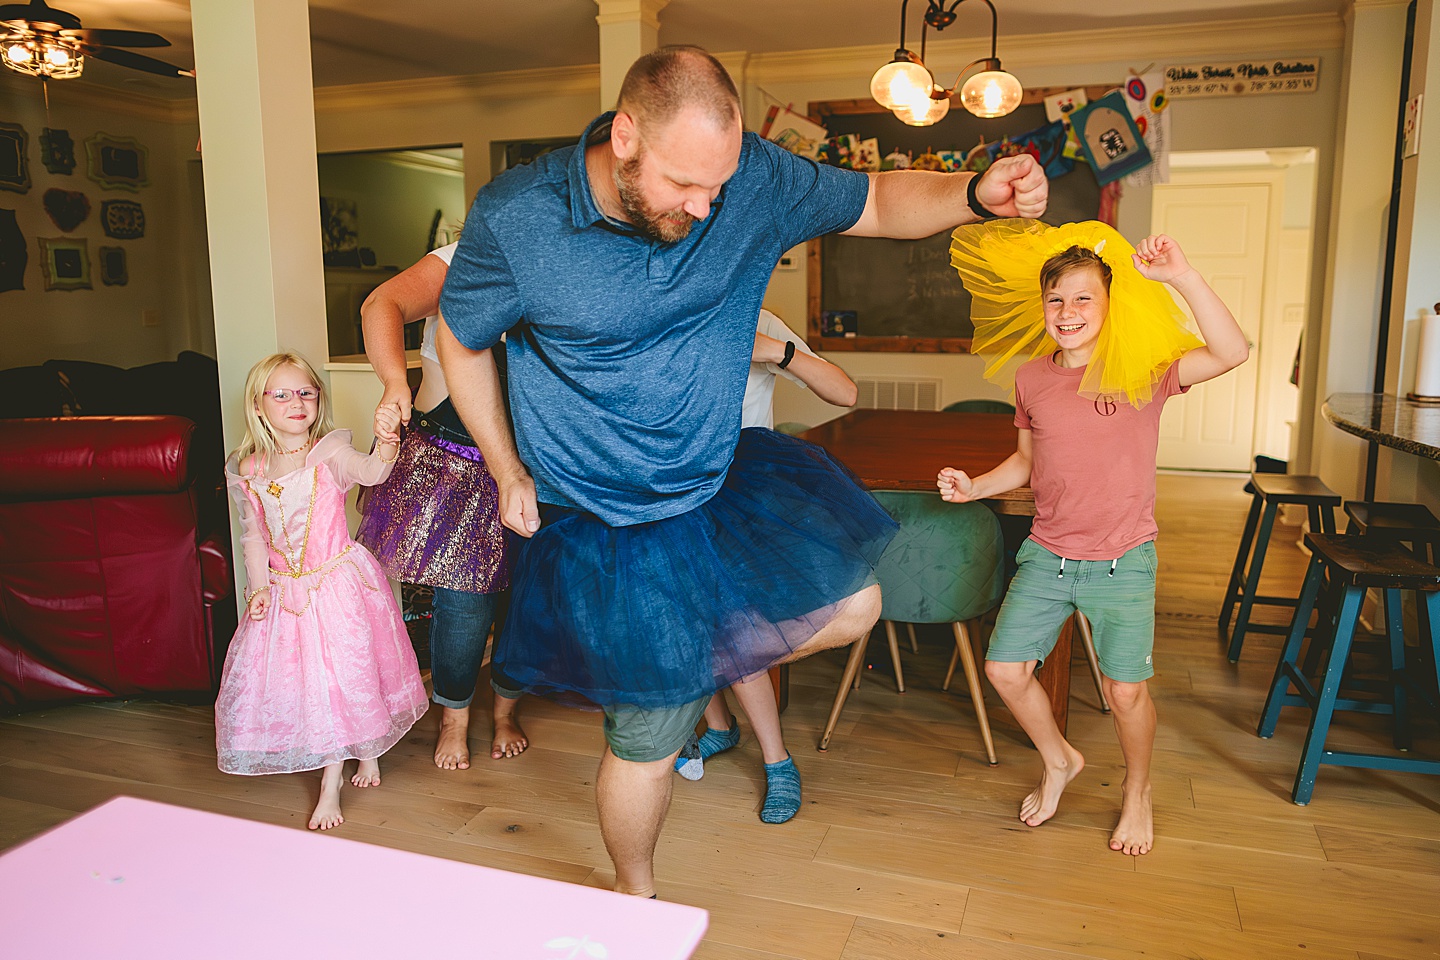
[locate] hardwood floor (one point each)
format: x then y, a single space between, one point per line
908 844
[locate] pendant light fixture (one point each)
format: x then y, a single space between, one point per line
908 88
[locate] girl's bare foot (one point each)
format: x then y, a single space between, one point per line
1042 802
1135 833
368 774
509 739
327 811
452 747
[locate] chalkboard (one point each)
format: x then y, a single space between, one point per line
907 288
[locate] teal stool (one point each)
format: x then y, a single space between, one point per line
980 406
944 566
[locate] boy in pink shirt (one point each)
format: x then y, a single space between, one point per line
1091 463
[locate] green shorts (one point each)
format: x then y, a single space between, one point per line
644 736
1120 608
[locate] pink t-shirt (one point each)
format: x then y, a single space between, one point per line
1093 467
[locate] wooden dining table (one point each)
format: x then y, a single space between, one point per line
905 449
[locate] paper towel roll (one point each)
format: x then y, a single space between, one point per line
1427 364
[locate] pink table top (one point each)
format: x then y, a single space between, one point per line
133 878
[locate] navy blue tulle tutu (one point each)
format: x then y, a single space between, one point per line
663 613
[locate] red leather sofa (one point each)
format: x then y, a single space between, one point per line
110 584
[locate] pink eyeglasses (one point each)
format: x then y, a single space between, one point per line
306 394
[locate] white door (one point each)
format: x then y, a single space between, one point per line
1224 229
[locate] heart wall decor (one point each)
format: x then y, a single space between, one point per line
67 209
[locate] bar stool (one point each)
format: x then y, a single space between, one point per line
1409 523
1353 564
1271 491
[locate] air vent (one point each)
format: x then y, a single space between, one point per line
896 393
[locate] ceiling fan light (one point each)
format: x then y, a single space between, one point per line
17 53
900 81
991 93
58 57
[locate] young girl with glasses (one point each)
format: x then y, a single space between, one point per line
321 670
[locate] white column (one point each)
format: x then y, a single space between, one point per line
629 29
1354 267
262 190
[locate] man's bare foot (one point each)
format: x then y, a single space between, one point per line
452 746
1135 833
327 811
368 774
509 739
1041 804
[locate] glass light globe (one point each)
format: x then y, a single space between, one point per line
17 53
58 56
899 82
993 93
924 111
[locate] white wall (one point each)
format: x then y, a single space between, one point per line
395 202
103 324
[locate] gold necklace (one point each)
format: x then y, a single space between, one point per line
275 489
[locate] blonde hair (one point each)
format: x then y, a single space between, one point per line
259 436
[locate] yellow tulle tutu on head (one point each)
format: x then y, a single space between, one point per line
999 262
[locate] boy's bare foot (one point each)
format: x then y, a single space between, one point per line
1042 802
368 774
1135 833
327 811
509 739
452 746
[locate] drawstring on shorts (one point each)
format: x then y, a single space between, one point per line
1113 564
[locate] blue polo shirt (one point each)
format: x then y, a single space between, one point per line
628 357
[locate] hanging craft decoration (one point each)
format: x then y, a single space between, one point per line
1146 99
1046 144
67 209
65 262
1113 143
14 158
117 163
123 219
57 151
113 272
14 256
1058 106
790 130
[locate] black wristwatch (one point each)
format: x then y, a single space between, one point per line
973 203
789 354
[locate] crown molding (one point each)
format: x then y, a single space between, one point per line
80 93
1145 44
507 85
428 162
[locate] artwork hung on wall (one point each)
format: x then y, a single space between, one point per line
1113 143
339 229
67 209
113 272
57 151
14 158
14 256
65 262
117 163
123 219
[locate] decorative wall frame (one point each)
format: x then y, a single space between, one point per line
65 262
14 255
113 271
67 209
57 151
122 219
117 163
14 158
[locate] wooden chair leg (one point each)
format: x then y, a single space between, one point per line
852 669
1087 638
914 645
894 640
954 659
977 694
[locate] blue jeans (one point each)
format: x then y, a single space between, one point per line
459 625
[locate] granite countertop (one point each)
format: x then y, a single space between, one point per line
1391 421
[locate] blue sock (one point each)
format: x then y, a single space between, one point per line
689 764
782 791
718 741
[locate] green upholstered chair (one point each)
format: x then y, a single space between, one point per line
980 406
792 427
944 566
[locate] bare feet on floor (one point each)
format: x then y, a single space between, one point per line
509 739
1135 833
1041 804
452 747
367 774
327 811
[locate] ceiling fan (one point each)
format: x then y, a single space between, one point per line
40 41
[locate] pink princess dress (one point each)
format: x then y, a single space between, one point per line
329 674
